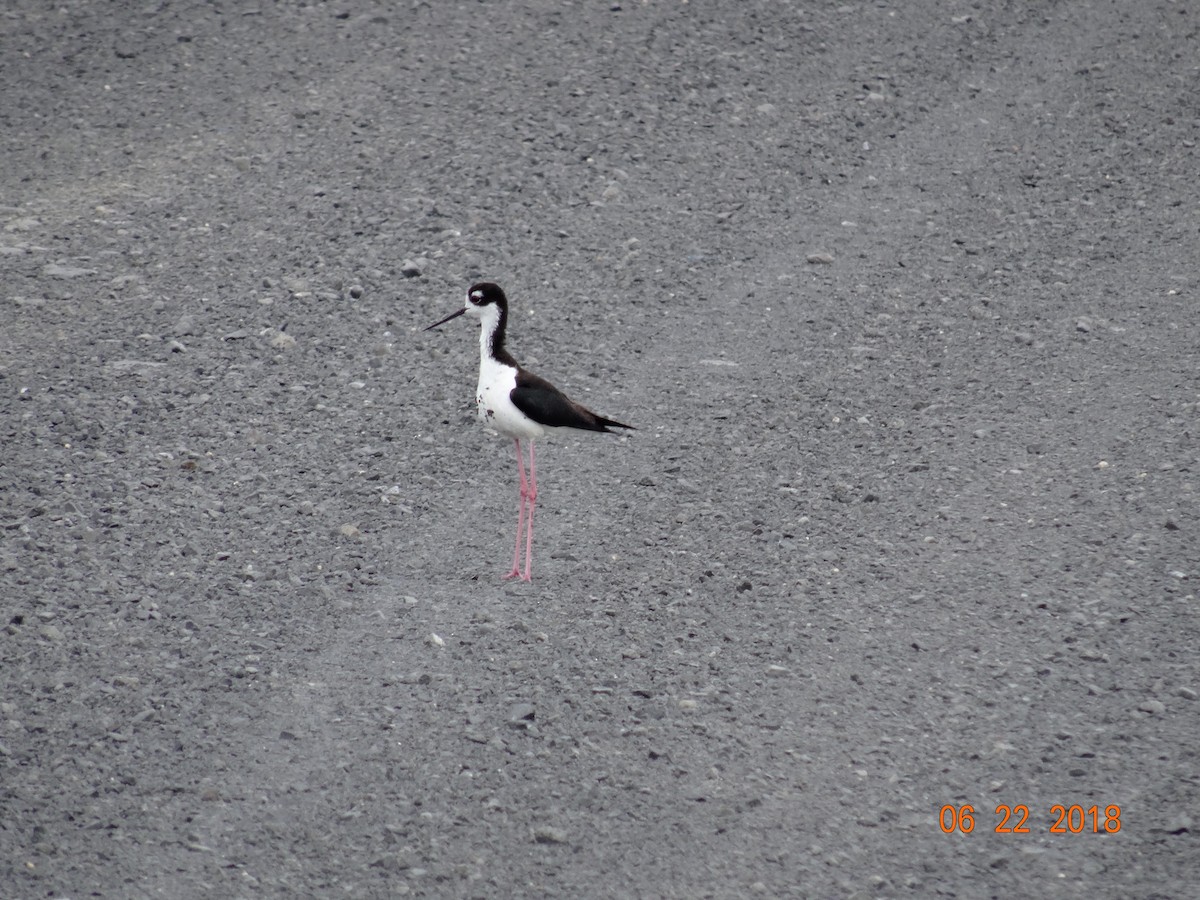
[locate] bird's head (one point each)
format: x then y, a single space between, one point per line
484 300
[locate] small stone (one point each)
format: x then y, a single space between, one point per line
1186 693
820 259
521 715
1153 707
50 633
23 223
435 640
1178 824
548 834
688 705
356 291
350 531
283 341
410 269
55 270
774 671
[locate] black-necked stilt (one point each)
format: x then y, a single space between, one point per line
518 403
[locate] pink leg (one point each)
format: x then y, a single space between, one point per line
532 498
516 571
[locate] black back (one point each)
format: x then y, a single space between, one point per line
547 405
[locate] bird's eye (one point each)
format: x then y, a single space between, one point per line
476 297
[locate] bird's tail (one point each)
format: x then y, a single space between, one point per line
608 425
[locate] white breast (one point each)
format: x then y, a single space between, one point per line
495 407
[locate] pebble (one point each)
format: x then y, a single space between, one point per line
521 715
1178 823
819 259
774 671
1153 707
1186 693
548 834
55 270
410 269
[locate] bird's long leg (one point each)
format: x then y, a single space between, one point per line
516 571
532 498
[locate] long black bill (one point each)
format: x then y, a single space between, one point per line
453 315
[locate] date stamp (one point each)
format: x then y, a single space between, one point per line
1015 819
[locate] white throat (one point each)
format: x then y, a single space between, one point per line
489 321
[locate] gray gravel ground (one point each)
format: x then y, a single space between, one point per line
900 297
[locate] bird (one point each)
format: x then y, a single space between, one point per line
518 404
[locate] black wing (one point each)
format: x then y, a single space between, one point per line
547 405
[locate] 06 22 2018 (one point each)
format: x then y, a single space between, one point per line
1016 819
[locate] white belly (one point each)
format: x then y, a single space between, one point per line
496 409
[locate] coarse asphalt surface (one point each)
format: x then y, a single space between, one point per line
901 299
